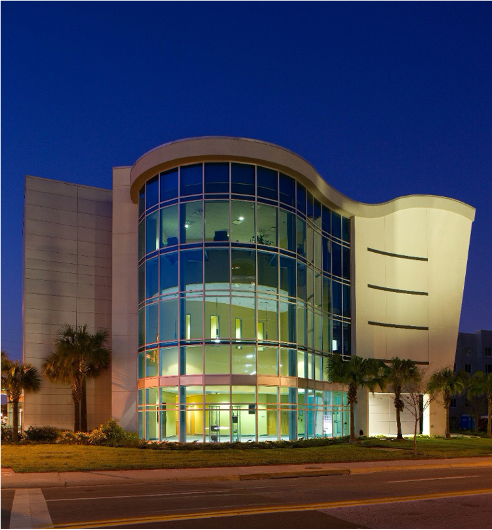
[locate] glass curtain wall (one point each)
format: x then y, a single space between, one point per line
244 292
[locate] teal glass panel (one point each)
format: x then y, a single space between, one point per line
151 277
217 177
267 272
243 179
243 269
346 300
191 223
287 322
268 360
267 319
301 236
151 323
191 270
318 289
141 365
152 192
242 222
141 283
288 362
169 272
310 285
326 294
266 225
301 281
301 325
337 297
168 329
301 363
243 317
217 221
141 239
217 268
193 360
168 359
190 179
327 342
191 317
287 230
217 359
141 424
141 327
169 226
244 360
152 232
152 396
169 184
318 331
346 262
151 424
310 328
217 317
151 365
288 275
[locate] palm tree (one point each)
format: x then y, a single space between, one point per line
18 378
482 384
447 383
78 355
397 375
357 372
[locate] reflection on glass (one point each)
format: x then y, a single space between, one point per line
287 230
301 237
151 275
267 272
336 224
217 177
152 192
242 222
169 272
152 232
169 184
217 317
217 360
216 221
217 268
191 311
287 190
151 363
168 320
191 224
336 259
244 360
151 323
141 201
266 225
243 179
191 270
168 359
191 179
243 269
243 310
169 226
267 185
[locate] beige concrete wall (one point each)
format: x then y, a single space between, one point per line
67 280
125 301
442 238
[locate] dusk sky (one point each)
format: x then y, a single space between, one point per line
383 99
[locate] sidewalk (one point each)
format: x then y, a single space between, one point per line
135 476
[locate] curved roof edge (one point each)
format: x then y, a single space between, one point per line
189 150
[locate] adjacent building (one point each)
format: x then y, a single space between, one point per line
473 354
228 271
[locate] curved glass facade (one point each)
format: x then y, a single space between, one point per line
244 292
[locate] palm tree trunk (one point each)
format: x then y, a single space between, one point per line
15 420
399 435
76 416
352 422
83 407
415 435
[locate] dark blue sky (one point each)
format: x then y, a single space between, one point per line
384 99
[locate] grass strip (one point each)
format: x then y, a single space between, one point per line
55 457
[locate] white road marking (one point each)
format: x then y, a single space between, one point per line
437 478
29 509
195 493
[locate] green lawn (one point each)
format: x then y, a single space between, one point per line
52 457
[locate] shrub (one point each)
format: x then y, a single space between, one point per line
42 434
110 433
7 434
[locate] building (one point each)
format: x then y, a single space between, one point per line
228 271
473 354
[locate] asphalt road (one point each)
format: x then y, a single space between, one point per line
430 498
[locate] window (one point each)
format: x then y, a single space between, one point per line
453 403
217 177
488 368
467 351
267 183
191 179
243 179
488 352
468 368
467 403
